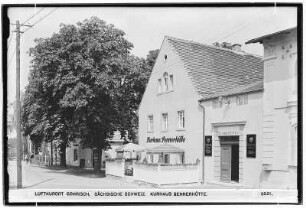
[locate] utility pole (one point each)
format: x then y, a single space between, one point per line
18 120
18 124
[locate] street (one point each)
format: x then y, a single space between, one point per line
47 177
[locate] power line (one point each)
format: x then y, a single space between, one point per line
40 19
238 29
33 16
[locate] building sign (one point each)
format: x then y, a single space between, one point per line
208 145
251 145
177 139
228 130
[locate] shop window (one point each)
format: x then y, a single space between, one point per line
164 121
166 159
166 82
242 99
151 159
150 123
159 85
75 154
181 119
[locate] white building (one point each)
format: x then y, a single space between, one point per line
279 148
76 155
198 91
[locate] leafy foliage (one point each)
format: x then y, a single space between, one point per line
84 84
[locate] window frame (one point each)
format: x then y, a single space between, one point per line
159 88
242 99
166 122
149 129
75 154
166 82
181 120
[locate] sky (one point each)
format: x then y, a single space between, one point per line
146 27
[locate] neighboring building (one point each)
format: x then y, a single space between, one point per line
279 148
187 78
76 155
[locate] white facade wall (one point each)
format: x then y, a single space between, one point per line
280 111
231 114
183 97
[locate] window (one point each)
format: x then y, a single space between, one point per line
171 83
75 154
181 119
164 121
150 123
159 86
166 82
242 100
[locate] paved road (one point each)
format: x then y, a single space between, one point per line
44 177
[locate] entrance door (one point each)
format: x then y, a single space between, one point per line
226 156
235 163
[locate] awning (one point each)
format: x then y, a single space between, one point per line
130 147
165 148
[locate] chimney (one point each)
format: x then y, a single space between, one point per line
236 47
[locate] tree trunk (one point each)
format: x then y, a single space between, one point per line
63 155
97 158
51 147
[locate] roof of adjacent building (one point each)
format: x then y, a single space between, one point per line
260 39
218 72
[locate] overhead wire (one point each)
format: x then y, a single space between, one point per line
236 30
40 19
33 16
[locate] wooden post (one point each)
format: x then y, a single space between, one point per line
18 124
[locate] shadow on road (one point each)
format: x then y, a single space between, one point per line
38 183
76 171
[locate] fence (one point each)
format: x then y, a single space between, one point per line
167 174
115 167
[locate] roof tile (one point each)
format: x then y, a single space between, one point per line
216 71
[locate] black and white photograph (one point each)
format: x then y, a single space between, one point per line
152 103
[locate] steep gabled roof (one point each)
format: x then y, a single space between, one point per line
215 71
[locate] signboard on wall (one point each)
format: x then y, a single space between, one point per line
208 145
177 139
251 145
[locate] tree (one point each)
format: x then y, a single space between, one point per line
151 58
74 85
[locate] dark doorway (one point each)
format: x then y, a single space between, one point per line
229 158
235 163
